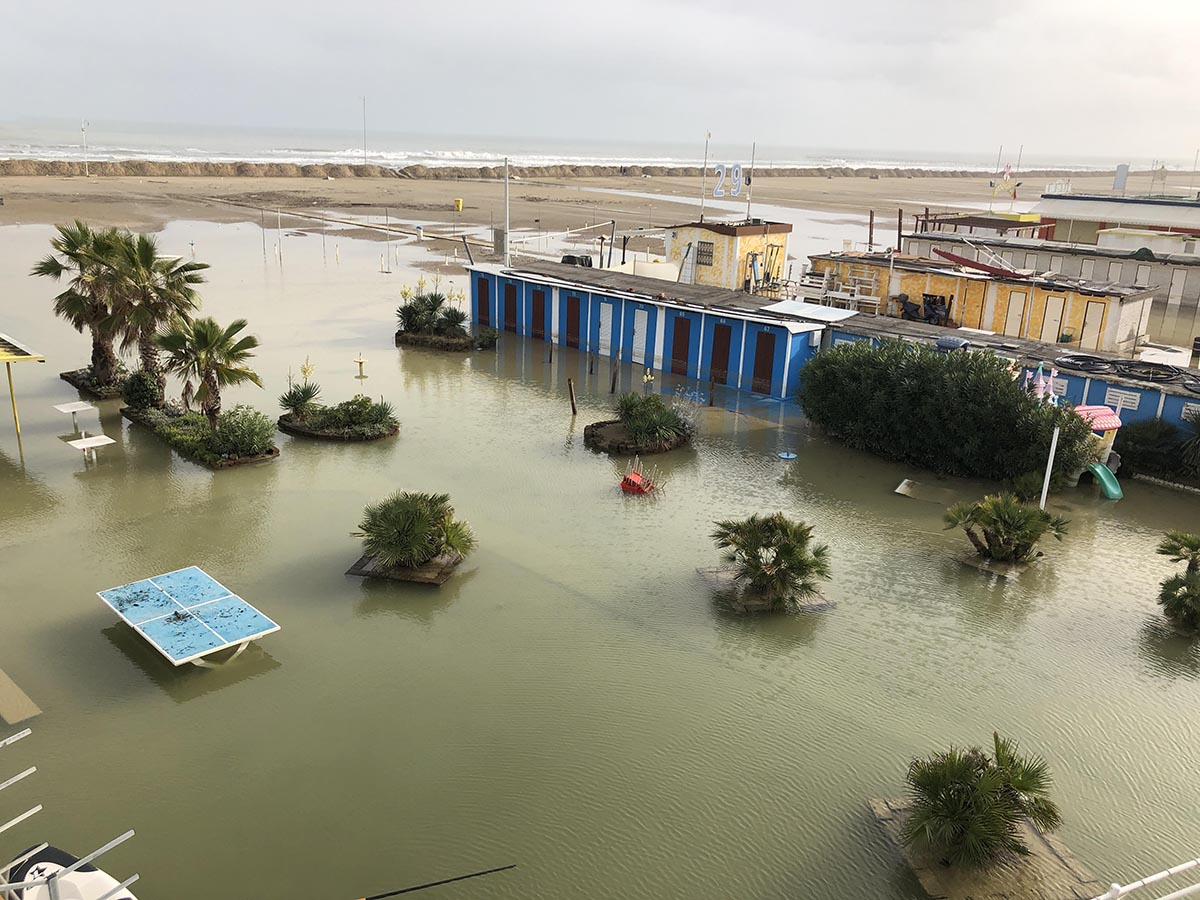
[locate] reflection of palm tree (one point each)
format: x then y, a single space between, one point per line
76 259
206 355
147 292
773 557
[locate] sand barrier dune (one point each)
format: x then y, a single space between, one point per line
155 169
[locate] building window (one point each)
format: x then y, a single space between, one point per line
1190 409
1089 266
1031 260
1120 400
704 253
1114 271
1056 264
1143 275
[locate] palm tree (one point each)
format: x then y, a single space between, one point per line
1002 528
408 530
208 357
967 807
84 304
773 558
1182 547
148 292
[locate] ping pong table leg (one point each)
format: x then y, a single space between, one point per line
205 664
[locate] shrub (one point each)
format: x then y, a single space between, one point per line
955 413
487 339
189 433
773 557
299 400
142 390
967 807
1028 487
408 530
1010 529
1190 452
243 431
1150 447
651 421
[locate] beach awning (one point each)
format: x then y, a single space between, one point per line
11 351
1100 418
813 312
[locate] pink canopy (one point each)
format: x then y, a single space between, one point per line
1100 418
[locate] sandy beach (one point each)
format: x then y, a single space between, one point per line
543 204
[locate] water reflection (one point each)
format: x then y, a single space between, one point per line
187 682
1166 651
421 603
25 495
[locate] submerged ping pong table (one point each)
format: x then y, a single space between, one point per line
187 615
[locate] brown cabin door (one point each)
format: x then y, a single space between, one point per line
764 361
572 321
681 341
539 314
485 302
510 307
719 367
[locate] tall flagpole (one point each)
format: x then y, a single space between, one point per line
749 180
83 130
704 174
506 253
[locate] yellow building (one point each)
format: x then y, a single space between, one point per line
1083 315
737 256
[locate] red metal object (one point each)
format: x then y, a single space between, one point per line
636 483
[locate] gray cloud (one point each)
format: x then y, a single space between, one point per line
1069 76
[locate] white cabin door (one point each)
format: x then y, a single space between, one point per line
1016 313
1052 321
606 317
1175 293
641 322
1092 319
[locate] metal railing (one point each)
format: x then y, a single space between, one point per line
1116 891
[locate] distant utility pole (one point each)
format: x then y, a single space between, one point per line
83 130
364 100
704 174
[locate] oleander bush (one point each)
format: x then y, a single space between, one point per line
961 413
1151 447
241 432
142 390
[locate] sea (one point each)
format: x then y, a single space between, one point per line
118 141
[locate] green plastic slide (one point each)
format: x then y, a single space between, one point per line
1107 481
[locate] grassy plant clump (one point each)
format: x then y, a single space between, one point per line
954 413
653 422
408 530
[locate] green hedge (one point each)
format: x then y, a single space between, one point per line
241 432
960 413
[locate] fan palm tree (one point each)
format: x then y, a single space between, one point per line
967 807
1182 547
77 260
773 557
408 530
1002 528
208 357
1179 598
148 292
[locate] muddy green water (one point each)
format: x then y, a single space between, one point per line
571 701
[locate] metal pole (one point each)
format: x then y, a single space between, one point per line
507 256
750 179
279 231
83 128
870 230
262 223
13 396
1049 467
364 100
1192 180
704 174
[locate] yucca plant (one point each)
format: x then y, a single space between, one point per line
967 807
1002 528
300 400
408 530
773 558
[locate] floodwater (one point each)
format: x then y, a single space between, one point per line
571 702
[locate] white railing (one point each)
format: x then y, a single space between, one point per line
1116 890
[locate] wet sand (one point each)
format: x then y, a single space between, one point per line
548 205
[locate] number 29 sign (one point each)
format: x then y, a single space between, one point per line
734 175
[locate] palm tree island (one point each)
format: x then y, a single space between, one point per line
412 536
773 562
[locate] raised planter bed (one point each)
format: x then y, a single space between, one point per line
297 429
437 571
81 380
1009 570
1049 872
435 341
134 415
610 436
721 582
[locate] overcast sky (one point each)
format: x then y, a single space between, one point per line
1093 78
